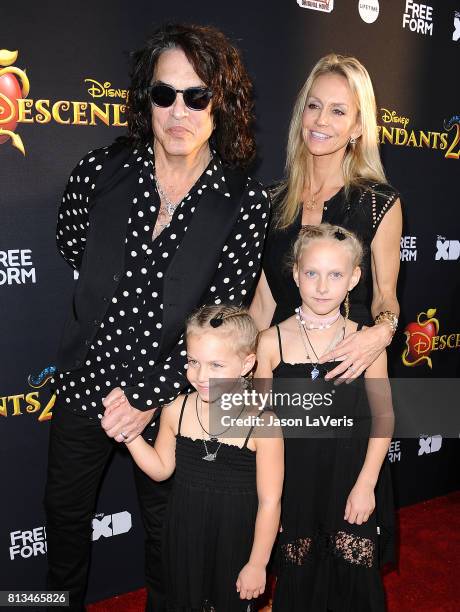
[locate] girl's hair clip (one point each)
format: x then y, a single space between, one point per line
339 235
216 321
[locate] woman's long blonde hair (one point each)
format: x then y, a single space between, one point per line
361 161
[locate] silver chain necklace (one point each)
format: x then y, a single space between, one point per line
303 333
170 206
212 437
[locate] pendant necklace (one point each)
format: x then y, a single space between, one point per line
303 334
312 202
170 206
212 437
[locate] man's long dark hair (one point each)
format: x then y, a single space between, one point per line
218 63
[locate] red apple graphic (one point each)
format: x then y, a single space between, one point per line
419 337
11 90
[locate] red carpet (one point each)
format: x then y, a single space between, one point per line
429 558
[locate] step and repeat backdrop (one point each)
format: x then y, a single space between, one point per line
63 86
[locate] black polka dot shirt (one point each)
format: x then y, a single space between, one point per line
124 351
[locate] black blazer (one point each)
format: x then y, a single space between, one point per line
102 265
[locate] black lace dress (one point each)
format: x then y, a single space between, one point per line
209 526
323 563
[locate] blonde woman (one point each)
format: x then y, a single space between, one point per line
334 174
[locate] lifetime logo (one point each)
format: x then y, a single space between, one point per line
108 525
418 18
448 250
429 444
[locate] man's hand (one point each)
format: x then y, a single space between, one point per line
122 421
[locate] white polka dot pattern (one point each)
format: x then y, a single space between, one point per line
128 346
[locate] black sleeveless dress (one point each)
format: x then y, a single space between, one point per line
361 212
209 526
323 562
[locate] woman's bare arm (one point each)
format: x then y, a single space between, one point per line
263 305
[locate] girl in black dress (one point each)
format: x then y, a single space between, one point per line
224 509
329 548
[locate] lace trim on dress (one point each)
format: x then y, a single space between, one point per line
295 552
347 546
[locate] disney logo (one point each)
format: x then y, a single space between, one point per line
392 117
100 90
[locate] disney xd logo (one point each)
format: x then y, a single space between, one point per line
447 250
108 525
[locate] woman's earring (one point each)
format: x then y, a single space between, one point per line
346 305
353 140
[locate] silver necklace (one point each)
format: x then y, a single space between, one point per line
315 372
212 438
170 206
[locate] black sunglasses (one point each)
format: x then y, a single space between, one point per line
195 98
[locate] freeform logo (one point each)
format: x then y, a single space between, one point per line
325 6
16 267
456 32
29 543
108 525
408 249
394 452
429 444
369 10
447 250
418 18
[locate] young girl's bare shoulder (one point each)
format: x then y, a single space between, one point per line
171 412
269 337
351 327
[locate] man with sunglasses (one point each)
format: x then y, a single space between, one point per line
157 224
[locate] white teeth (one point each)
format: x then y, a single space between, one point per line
319 135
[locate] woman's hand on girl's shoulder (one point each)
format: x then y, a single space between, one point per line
357 352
